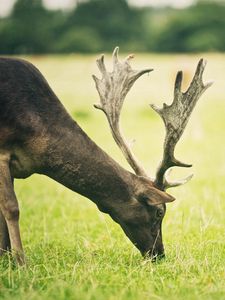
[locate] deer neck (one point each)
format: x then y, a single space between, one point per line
75 161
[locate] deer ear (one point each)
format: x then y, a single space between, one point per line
154 196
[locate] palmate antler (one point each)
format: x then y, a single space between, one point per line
113 88
175 117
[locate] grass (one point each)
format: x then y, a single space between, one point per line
76 252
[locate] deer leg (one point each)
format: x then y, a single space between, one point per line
10 210
4 236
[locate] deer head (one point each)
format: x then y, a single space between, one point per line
142 220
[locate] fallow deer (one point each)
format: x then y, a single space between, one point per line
37 135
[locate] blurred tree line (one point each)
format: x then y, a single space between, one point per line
98 25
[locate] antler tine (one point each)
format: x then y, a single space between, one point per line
112 89
175 118
115 56
101 64
169 184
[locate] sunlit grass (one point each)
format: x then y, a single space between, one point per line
76 252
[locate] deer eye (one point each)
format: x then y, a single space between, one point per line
159 213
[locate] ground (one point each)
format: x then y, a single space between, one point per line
76 252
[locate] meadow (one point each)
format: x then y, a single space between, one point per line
76 252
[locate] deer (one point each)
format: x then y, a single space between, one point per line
37 135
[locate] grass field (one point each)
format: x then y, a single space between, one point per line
76 252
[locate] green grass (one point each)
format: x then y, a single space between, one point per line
76 252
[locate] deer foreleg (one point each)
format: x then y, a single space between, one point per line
4 236
10 209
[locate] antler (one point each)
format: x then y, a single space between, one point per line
112 89
175 117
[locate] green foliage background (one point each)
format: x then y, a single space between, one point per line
99 25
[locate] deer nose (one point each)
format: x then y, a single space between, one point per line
154 254
157 256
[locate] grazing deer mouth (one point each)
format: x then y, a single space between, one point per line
156 250
158 257
154 254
